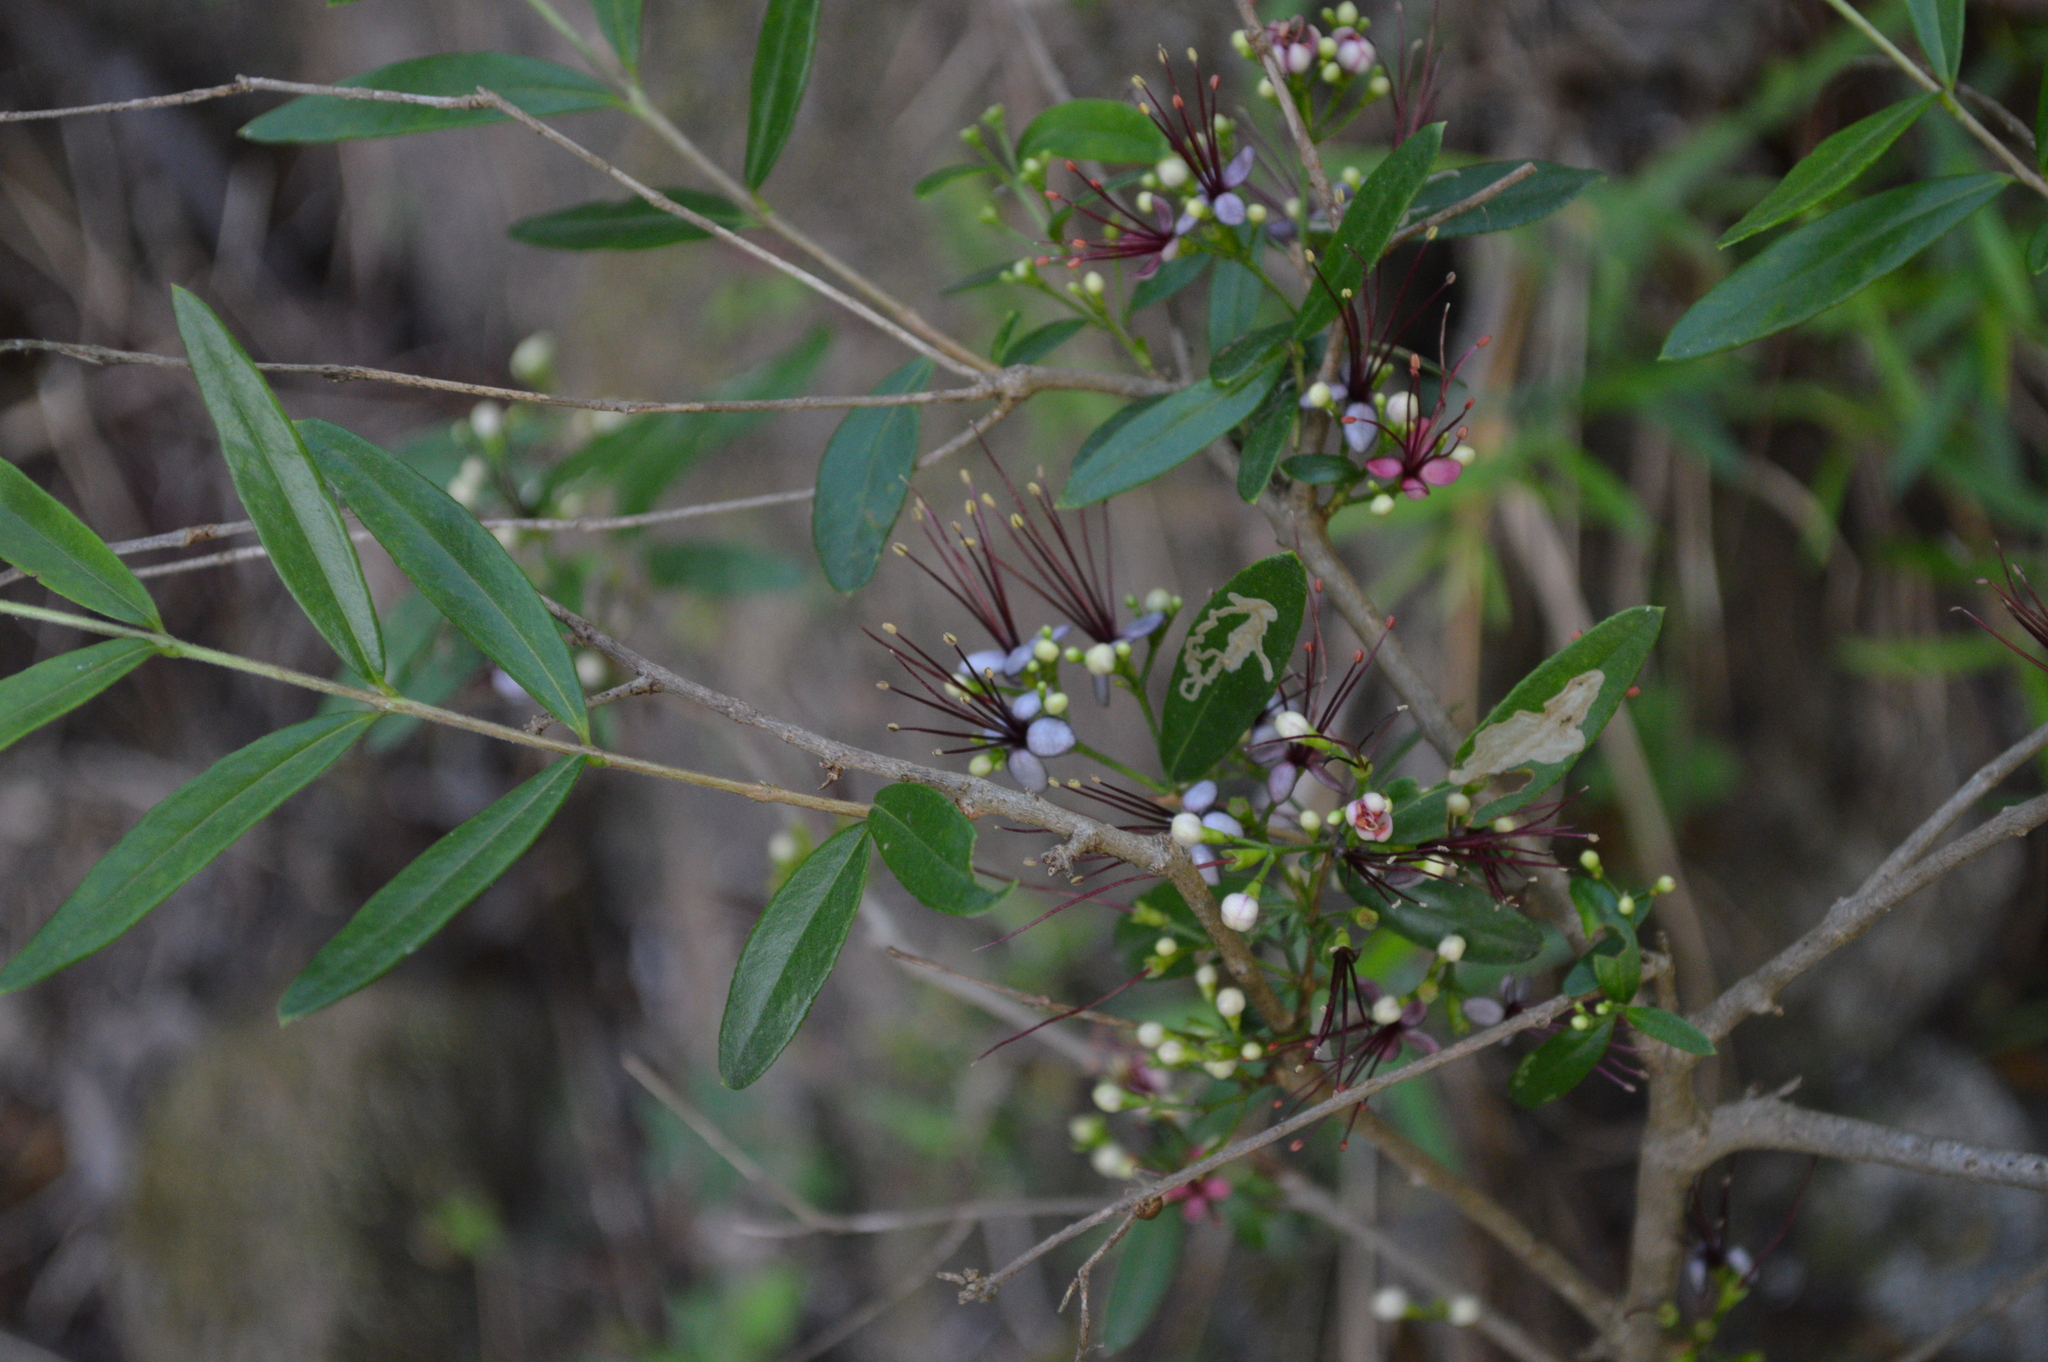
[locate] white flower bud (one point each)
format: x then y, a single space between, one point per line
1166 948
1112 1161
1458 805
1171 1052
1381 504
467 486
1255 214
1400 410
1220 1068
1464 1311
1589 861
1045 650
1100 660
1311 822
487 419
1251 1050
1187 829
1378 86
1123 647
1158 600
1664 885
1386 1011
1327 48
1266 90
782 847
1347 15
1389 1303
1150 1034
1205 979
591 667
1087 1128
1241 42
1108 1096
980 764
1056 703
1451 948
1331 72
1094 283
1240 912
533 359
1318 395
1291 725
1463 455
1229 1003
1172 172
1582 1022
1503 825
1626 905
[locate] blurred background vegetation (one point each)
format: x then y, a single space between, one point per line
455 1164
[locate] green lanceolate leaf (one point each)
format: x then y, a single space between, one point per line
1321 470
1430 910
1821 264
1248 355
177 838
39 535
1161 438
1035 345
713 568
1938 24
1234 297
1236 650
928 844
1829 167
1555 1067
789 954
619 21
1144 1273
457 564
2037 250
863 481
1557 710
1266 437
53 688
1369 219
1674 1031
1620 973
1543 193
295 516
419 900
1093 130
782 67
539 87
625 224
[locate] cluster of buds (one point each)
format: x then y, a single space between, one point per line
1306 55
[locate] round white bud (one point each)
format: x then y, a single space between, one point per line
1100 660
1240 912
1220 1068
1331 72
1094 283
1386 1011
1229 1003
1256 213
1400 410
1291 725
1451 948
1463 455
1045 650
1158 599
1318 395
533 359
1503 825
1251 1050
487 419
1108 1096
1265 89
1205 979
1664 885
1351 177
1626 905
1589 861
1112 1161
1311 822
1582 1022
782 847
1171 1052
980 764
1458 805
1056 703
1166 948
1389 1303
1087 1128
1381 504
1187 829
1241 43
1327 47
1347 14
1150 1034
1464 1311
1172 172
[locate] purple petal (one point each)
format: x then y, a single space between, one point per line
1101 690
1143 625
1199 797
1027 705
1358 427
1385 467
1049 737
1484 1012
986 661
1019 658
1441 472
1229 209
1422 1041
1218 821
1413 1014
1280 781
1188 222
1028 771
1238 171
1150 267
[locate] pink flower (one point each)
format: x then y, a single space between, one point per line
1371 817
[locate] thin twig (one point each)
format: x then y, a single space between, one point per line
1771 1123
1037 1000
243 85
742 1163
1304 145
908 1284
1463 206
888 1222
1993 1305
1080 1283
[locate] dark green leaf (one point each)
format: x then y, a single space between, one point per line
1266 436
177 838
1597 905
539 87
1584 977
789 954
782 67
1830 166
1093 130
419 900
295 516
710 568
1173 276
56 686
1321 470
1549 189
1810 270
1035 345
619 21
1422 816
1555 1067
863 481
1621 973
2037 250
945 175
1429 910
1369 219
457 564
1144 1273
1159 439
1674 1031
625 224
928 844
1235 653
1557 710
1247 355
39 535
1938 24
1234 297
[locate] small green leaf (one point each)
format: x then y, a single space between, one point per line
1420 817
625 224
1267 433
945 175
1621 973
1234 297
928 844
1674 1031
782 67
177 838
1810 270
1830 166
1584 976
539 87
419 900
1093 130
1549 189
1246 356
789 954
1321 470
619 21
1555 1067
864 479
1160 438
2037 250
1557 710
1235 652
295 516
457 564
1035 345
1598 907
40 535
711 568
1369 219
56 686
1938 24
1144 1273
1173 276
1429 910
